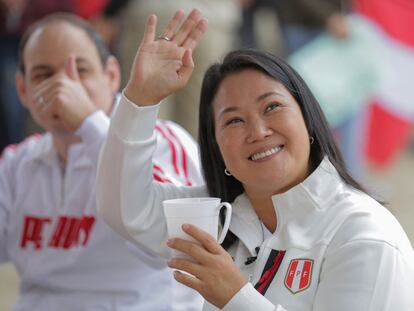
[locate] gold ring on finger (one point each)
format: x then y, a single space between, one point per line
42 101
164 38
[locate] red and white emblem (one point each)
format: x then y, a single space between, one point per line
298 276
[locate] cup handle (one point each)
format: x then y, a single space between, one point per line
226 222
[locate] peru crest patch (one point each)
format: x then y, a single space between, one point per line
299 274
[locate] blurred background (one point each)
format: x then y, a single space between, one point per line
357 56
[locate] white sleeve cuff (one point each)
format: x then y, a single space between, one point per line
132 122
249 299
94 128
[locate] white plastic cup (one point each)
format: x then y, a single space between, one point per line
200 212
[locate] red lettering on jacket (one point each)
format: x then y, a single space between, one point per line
33 231
68 232
85 226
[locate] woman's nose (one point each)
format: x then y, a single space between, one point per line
258 130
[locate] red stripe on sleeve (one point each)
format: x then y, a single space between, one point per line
158 168
183 155
172 148
13 147
160 179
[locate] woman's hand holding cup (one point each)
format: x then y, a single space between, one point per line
164 65
212 272
194 237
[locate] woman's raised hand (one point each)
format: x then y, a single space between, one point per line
164 65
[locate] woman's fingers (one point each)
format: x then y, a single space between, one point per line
190 32
186 265
189 24
149 32
188 280
162 67
192 249
195 35
172 26
205 239
187 67
213 274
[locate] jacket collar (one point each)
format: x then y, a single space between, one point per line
44 150
45 153
245 224
309 196
297 205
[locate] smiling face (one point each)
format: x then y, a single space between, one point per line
261 133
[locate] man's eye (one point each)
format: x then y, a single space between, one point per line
271 107
41 76
83 70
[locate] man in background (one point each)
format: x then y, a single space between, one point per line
67 258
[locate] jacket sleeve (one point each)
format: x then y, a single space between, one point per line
128 198
6 195
249 299
366 275
176 158
93 131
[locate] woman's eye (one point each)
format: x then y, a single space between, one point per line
233 121
271 107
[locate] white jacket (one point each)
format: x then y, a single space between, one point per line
66 256
335 248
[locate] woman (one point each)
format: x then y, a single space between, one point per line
304 235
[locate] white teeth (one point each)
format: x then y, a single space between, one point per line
261 155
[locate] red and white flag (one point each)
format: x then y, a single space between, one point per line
391 112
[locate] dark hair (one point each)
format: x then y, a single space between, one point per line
227 187
70 19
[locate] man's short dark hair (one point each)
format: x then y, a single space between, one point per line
70 19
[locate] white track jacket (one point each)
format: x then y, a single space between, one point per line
335 248
66 256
